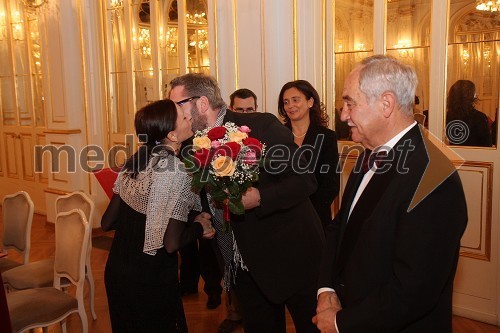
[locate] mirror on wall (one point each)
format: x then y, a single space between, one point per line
169 42
472 82
117 66
142 52
353 42
148 43
408 27
197 29
21 79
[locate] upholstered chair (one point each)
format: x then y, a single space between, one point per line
41 273
18 210
42 307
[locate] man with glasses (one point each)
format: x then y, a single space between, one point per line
199 258
243 101
274 259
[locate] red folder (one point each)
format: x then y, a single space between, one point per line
107 177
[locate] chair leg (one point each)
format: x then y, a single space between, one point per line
90 278
81 310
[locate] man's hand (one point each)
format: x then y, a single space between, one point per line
326 300
326 312
325 321
251 198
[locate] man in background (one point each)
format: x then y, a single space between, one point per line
243 101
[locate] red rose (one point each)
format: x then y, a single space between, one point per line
253 144
231 149
216 133
202 156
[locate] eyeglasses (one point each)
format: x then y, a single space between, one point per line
185 100
243 110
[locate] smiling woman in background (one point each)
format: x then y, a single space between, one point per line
305 116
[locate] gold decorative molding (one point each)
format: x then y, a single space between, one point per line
236 49
483 250
215 38
263 55
68 132
323 53
295 42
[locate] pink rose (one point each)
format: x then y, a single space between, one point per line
215 144
250 157
245 129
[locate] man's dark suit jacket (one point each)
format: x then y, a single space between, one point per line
282 240
393 266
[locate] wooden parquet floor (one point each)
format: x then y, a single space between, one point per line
200 319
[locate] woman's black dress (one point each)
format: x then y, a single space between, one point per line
143 290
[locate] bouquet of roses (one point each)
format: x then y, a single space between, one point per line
225 161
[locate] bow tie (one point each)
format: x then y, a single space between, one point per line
370 158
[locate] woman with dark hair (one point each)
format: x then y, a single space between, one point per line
466 126
305 116
149 211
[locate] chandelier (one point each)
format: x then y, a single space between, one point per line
404 48
199 39
488 5
33 4
142 42
168 40
196 18
115 7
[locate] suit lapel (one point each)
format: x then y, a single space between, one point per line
352 184
368 201
349 192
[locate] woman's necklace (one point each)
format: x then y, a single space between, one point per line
299 136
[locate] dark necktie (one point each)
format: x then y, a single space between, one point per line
370 158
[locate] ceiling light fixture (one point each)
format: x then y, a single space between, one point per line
488 5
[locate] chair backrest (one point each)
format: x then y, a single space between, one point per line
18 210
72 233
78 200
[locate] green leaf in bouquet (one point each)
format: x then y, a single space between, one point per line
255 177
226 227
236 207
234 189
189 164
218 194
196 182
205 176
212 183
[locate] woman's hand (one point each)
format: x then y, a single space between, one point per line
208 229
